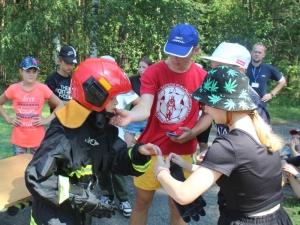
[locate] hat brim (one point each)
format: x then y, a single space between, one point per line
69 59
69 118
294 132
29 67
204 98
221 60
177 50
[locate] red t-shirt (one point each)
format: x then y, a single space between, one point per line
172 107
28 104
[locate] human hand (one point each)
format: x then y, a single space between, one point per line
187 135
122 118
176 159
16 121
161 163
201 156
149 149
40 121
290 169
90 204
267 97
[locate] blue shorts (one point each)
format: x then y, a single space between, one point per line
136 127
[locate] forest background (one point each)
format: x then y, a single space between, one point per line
128 30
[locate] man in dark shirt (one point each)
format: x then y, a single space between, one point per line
260 73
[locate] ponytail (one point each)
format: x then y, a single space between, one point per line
264 132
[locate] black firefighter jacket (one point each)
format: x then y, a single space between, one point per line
76 154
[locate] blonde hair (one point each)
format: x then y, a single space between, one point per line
265 134
260 44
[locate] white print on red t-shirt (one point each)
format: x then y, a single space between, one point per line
173 104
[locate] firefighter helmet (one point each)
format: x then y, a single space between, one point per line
96 81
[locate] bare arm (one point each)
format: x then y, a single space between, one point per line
138 113
196 184
279 86
275 91
294 182
293 144
136 101
15 121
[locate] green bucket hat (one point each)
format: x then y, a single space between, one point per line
225 88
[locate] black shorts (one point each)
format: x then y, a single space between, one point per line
203 137
278 217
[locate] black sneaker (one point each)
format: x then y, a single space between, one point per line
12 211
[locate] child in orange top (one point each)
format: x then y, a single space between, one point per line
28 97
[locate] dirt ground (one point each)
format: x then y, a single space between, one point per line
159 213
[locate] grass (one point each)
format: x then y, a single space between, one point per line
279 115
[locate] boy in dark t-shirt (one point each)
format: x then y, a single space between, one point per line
59 81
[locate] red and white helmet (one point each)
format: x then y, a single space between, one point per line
96 81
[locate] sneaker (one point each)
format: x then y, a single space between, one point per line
106 200
12 211
125 207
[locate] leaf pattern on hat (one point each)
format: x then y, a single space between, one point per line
244 94
229 104
230 86
214 98
210 85
232 73
225 88
243 105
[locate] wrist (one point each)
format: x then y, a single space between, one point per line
161 169
297 176
272 95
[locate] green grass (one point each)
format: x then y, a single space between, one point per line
292 207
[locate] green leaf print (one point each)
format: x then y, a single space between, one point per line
214 98
230 86
232 73
230 104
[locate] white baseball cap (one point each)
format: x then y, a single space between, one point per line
108 57
231 53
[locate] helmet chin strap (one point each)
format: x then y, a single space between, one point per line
108 114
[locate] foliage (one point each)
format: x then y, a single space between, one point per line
127 30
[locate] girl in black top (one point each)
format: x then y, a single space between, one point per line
244 162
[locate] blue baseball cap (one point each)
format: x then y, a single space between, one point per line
29 62
181 41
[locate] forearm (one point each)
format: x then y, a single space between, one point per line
171 185
141 111
202 124
295 185
293 151
278 87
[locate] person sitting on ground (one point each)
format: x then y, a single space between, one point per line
292 175
292 147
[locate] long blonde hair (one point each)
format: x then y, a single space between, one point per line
264 132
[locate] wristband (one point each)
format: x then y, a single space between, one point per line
160 169
272 95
